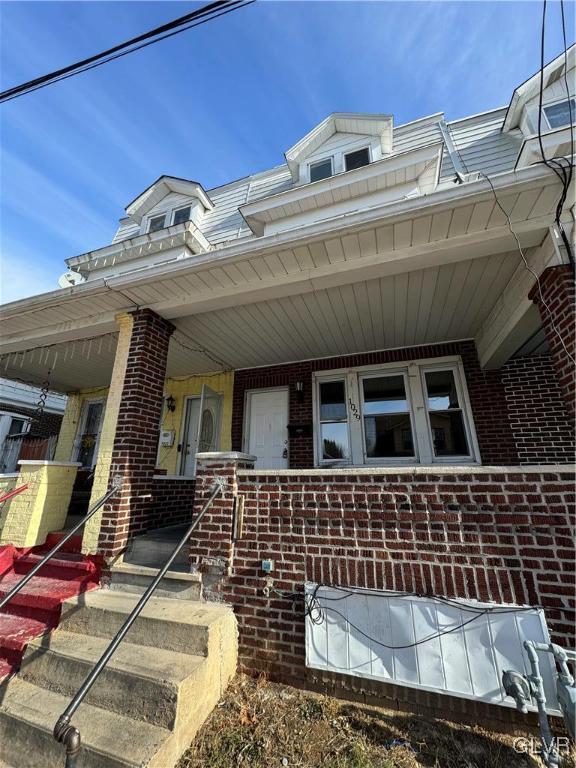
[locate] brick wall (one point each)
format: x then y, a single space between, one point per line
485 388
172 501
505 537
554 296
543 431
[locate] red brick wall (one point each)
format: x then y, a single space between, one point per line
555 299
505 537
542 428
172 502
137 433
484 387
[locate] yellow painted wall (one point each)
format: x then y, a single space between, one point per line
189 386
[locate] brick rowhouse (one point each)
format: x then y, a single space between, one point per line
554 296
493 535
138 428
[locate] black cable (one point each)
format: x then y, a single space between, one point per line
181 24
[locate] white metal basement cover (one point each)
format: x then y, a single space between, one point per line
468 662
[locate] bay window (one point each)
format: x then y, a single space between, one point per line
408 413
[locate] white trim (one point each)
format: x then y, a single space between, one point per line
246 418
44 463
184 434
8 475
319 162
419 469
150 218
174 477
553 103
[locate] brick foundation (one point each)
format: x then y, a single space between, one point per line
172 501
489 533
135 446
554 297
543 431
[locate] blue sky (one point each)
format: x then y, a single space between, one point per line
221 101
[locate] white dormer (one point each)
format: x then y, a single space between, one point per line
167 202
342 142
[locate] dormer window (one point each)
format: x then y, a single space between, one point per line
156 223
181 215
559 114
321 170
357 159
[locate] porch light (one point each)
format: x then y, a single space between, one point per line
299 386
170 404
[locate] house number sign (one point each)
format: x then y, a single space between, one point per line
354 409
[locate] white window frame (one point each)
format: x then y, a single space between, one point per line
572 97
318 423
82 424
413 372
156 216
317 162
351 152
181 208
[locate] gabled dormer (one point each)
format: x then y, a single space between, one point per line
167 202
558 106
342 142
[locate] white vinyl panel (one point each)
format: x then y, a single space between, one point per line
387 292
337 631
504 634
421 230
498 276
440 226
248 271
303 257
441 292
457 668
351 247
359 653
264 317
413 305
317 646
473 285
301 311
429 277
235 274
400 309
325 329
365 314
222 277
261 268
385 239
289 316
460 220
341 318
367 241
405 661
335 250
497 218
402 235
481 216
355 321
325 305
246 328
289 262
547 201
429 654
319 254
485 681
380 628
374 295
275 265
461 270
208 279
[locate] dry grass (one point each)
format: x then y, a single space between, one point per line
265 725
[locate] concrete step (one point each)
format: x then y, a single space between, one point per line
173 625
109 740
127 577
140 682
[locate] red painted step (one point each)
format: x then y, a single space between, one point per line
36 608
73 545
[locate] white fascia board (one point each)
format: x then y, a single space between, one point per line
438 201
556 143
273 204
365 124
186 234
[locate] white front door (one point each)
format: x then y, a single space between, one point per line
200 434
267 412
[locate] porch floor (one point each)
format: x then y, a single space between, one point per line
153 548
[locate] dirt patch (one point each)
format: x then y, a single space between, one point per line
265 725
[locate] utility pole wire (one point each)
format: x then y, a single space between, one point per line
175 27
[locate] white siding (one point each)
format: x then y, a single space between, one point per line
481 144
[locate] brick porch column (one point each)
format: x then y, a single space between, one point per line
555 301
130 432
212 543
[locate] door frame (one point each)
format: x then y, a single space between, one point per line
183 434
247 413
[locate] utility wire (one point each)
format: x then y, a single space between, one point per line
175 27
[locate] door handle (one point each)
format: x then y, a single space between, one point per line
285 453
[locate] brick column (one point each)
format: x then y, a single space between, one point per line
555 301
132 419
212 543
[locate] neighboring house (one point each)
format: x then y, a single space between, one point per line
22 419
382 325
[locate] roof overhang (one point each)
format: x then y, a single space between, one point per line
157 191
556 143
185 235
531 87
384 174
343 122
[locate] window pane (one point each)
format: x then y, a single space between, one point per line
441 389
93 418
357 159
448 433
335 441
321 170
332 401
384 394
388 436
559 114
156 223
16 426
182 215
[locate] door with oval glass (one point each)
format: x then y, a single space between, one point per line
201 428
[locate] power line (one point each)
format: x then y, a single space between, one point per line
175 27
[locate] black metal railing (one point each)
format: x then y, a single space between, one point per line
22 583
64 731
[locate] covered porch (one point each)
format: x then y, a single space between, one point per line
421 289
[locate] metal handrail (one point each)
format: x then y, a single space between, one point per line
22 583
68 734
14 492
